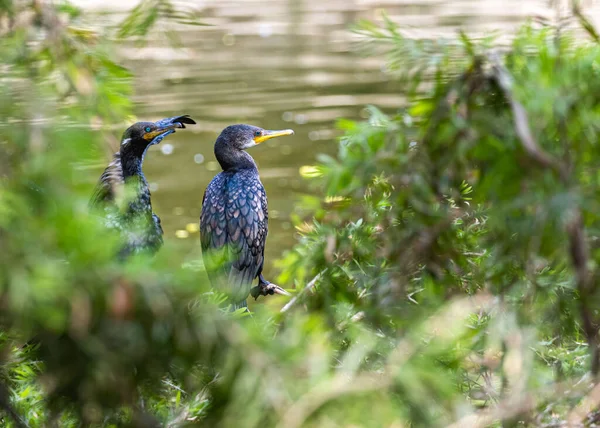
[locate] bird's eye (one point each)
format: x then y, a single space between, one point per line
258 133
148 129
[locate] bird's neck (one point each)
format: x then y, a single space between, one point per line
233 159
132 158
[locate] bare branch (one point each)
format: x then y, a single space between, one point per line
585 286
585 22
308 287
589 403
535 152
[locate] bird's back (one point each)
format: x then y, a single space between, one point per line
110 180
140 227
234 219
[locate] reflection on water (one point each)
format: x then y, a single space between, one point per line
276 64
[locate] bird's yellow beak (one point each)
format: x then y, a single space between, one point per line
267 135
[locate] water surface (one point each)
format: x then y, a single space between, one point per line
276 64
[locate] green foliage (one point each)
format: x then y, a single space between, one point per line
479 186
446 275
147 13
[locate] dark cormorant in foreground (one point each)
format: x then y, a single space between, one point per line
140 226
234 217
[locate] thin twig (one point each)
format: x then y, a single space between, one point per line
339 386
535 152
585 22
511 407
518 404
585 286
589 403
308 287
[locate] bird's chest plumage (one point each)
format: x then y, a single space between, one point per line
141 202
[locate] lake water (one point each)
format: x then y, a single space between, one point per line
276 64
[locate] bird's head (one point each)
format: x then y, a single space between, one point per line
144 134
242 137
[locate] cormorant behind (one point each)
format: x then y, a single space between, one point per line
140 227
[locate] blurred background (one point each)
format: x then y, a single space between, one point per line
277 64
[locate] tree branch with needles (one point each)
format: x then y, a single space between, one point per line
578 248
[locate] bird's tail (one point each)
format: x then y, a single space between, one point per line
239 305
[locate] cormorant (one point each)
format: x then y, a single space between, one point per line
234 217
140 226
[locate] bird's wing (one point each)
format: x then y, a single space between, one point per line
246 216
235 215
111 178
212 218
